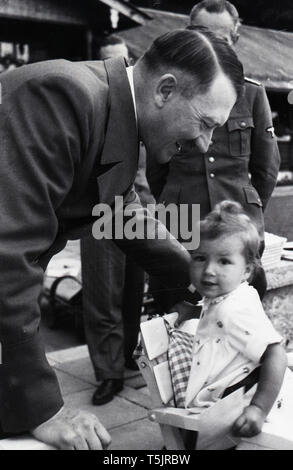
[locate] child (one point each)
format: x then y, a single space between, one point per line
234 335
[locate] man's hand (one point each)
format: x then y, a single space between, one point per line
186 311
73 430
250 423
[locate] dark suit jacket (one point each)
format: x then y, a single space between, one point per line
241 164
68 141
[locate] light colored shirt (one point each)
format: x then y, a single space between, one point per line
232 335
129 71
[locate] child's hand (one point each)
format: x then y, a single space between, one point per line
186 311
250 423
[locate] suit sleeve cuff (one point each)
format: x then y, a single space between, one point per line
29 390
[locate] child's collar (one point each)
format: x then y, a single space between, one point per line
208 301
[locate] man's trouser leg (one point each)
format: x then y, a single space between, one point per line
132 303
103 267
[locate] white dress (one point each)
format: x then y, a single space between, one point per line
232 335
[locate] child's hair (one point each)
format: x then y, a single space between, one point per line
228 218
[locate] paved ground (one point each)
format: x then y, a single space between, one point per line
125 417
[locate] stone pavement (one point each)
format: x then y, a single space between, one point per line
125 417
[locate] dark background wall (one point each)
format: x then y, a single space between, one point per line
275 14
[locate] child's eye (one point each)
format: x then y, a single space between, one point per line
225 261
199 258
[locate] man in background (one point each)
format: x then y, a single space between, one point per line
109 47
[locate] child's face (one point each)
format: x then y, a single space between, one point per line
219 266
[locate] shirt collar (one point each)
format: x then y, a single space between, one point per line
129 71
207 301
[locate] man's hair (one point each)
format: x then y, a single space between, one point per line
198 52
107 41
215 6
228 218
110 41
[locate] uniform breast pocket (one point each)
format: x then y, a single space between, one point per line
239 134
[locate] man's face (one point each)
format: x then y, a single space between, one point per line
178 119
221 24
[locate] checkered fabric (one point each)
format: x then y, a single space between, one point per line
180 358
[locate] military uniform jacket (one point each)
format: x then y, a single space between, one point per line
68 141
241 164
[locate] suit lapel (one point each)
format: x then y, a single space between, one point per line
119 157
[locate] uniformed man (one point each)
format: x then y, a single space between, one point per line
242 162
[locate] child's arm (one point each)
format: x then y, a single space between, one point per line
273 366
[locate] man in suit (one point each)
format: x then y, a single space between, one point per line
242 162
69 136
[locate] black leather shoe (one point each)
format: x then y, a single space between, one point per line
107 390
